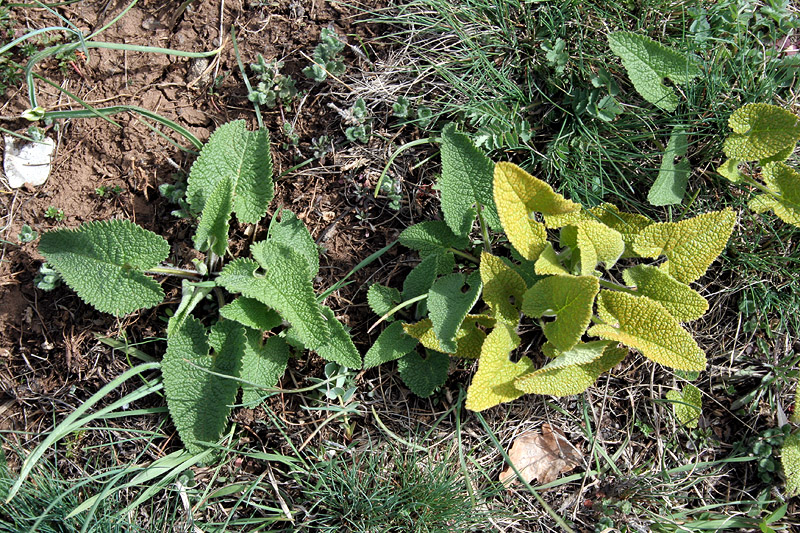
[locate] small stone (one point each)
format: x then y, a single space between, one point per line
27 162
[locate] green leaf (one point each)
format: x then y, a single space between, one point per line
338 347
466 182
790 460
682 302
573 371
502 289
761 131
549 263
629 225
423 375
644 324
393 343
469 338
382 299
212 231
569 299
493 383
448 306
518 195
104 262
293 233
281 284
232 152
690 245
648 63
422 276
262 364
670 185
784 182
199 402
687 404
251 313
432 237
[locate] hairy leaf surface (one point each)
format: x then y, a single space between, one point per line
393 343
103 262
293 233
280 283
382 299
212 231
690 245
549 262
687 404
596 242
790 460
648 63
448 307
670 185
644 324
569 299
517 195
338 347
761 131
682 302
502 289
251 313
199 401
784 182
422 276
629 225
574 371
466 182
493 383
432 237
469 337
241 156
262 364
423 375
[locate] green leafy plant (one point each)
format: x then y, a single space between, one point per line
556 56
54 213
110 266
555 285
327 57
648 63
401 108
361 121
766 134
47 278
27 234
104 190
272 87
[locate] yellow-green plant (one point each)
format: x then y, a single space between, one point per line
765 134
558 285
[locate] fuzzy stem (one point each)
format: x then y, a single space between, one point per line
616 287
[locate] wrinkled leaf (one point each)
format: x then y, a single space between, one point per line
423 375
262 364
448 306
293 233
393 343
790 460
682 302
784 182
502 289
687 404
382 299
761 131
670 185
251 313
212 231
432 237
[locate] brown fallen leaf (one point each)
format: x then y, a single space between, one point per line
542 456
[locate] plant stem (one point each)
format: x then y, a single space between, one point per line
397 153
174 271
465 255
397 308
487 241
617 287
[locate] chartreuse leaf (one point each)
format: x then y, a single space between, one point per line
784 182
251 313
432 237
242 157
761 131
199 401
393 343
690 245
517 195
596 242
212 231
549 262
682 302
104 262
279 281
293 233
670 185
466 182
573 371
648 63
790 460
493 383
730 170
382 299
502 289
262 364
644 324
687 404
569 299
423 375
629 225
447 307
469 338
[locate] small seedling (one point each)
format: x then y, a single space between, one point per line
47 279
54 213
556 55
27 234
321 146
361 122
327 58
176 193
424 117
105 190
401 107
273 87
292 138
